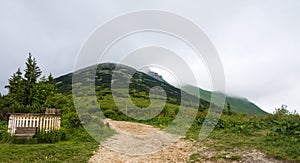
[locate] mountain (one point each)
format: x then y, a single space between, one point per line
140 85
238 104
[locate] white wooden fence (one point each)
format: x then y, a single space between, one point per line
41 121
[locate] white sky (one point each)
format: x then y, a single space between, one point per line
258 40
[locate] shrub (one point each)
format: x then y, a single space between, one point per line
109 113
51 137
86 118
60 101
4 135
289 126
40 137
70 120
15 140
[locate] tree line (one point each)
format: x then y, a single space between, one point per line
27 90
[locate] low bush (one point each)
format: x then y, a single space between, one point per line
4 135
40 137
51 137
70 120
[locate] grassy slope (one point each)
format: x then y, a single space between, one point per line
244 133
237 135
104 71
238 105
222 140
68 151
78 148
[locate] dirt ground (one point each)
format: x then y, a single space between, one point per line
136 143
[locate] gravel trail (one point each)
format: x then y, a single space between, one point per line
137 143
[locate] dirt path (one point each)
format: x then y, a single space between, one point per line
135 143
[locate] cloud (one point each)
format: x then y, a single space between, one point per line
258 41
259 47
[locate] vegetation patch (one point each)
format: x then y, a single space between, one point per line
276 134
194 157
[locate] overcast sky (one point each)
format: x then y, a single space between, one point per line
258 40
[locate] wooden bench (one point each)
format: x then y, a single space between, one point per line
25 132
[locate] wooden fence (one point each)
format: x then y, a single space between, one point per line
43 122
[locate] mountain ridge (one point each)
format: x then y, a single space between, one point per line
238 104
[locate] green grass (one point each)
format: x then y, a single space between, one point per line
237 132
283 148
246 133
78 148
68 151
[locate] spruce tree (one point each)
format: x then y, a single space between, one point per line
16 87
28 94
229 111
32 73
51 79
44 89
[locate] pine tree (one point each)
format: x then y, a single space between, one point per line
44 89
32 73
51 79
32 70
229 111
16 87
28 94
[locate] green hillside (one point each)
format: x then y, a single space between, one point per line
140 86
140 83
238 105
